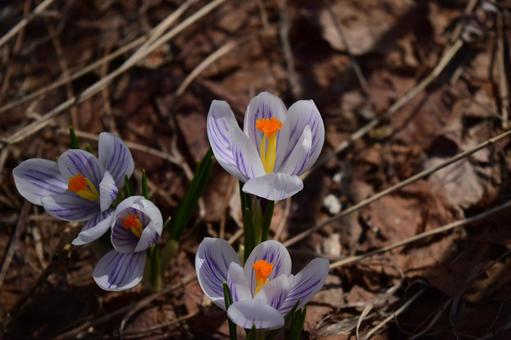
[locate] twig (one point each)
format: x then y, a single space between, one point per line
457 224
106 318
226 48
354 64
23 22
442 64
394 188
98 86
503 79
294 80
20 227
63 251
400 310
148 331
91 67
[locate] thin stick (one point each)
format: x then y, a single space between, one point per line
103 61
457 224
24 22
442 64
503 84
400 310
205 64
20 227
398 186
98 86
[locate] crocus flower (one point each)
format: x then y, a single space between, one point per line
263 290
136 225
274 148
78 186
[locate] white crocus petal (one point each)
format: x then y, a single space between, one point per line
301 114
69 207
298 159
305 284
264 105
152 231
115 157
128 203
237 280
212 262
275 291
272 252
119 271
37 178
123 240
94 228
107 191
245 156
220 123
274 186
74 162
255 313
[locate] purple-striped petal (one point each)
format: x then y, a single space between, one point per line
264 105
255 313
301 114
212 261
107 191
115 157
237 280
220 123
274 186
119 271
273 252
69 207
37 178
246 157
94 228
123 240
298 159
276 291
152 231
305 284
74 162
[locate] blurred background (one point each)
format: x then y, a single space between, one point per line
402 86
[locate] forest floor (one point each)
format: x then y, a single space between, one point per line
411 93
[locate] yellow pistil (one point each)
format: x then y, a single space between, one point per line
83 187
133 223
268 146
263 270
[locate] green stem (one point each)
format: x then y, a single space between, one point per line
228 302
268 214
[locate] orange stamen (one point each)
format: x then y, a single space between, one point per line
132 223
263 270
77 183
268 126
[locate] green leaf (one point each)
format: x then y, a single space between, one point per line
74 142
189 203
228 302
145 189
152 272
128 189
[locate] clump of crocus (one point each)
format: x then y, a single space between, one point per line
263 291
274 148
78 186
136 225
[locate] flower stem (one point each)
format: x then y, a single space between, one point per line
228 302
268 214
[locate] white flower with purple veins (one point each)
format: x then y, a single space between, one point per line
136 225
274 148
263 291
78 186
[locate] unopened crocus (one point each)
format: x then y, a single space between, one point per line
78 186
136 225
275 147
263 291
